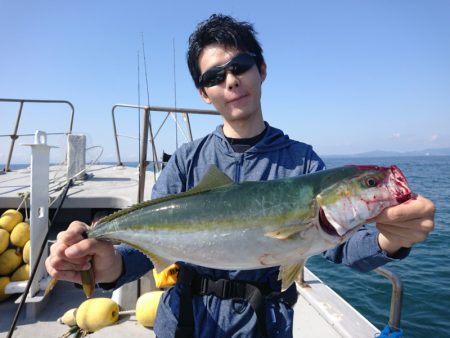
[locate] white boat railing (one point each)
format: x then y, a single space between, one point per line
149 136
14 135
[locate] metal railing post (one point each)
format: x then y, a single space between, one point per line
396 298
188 123
143 156
14 137
155 156
119 161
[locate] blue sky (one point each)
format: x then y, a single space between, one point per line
344 76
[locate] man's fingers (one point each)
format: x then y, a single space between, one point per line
418 224
73 234
58 263
406 236
419 208
89 247
70 276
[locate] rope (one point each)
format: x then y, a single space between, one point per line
25 196
65 180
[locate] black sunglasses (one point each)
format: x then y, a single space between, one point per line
237 65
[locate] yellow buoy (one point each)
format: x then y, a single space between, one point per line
22 273
146 307
10 260
20 234
3 282
4 240
69 317
9 219
26 252
96 313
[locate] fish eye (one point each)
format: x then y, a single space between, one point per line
371 182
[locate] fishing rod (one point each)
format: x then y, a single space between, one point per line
175 93
139 104
149 123
41 251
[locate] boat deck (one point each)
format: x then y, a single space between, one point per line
320 312
106 186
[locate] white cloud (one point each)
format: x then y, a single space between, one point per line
396 135
434 137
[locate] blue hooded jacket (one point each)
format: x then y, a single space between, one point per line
274 156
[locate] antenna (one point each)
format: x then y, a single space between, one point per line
175 93
139 104
149 123
145 68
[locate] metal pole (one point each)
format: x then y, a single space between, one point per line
396 298
143 156
188 124
155 156
119 161
14 137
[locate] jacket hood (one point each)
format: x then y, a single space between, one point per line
273 139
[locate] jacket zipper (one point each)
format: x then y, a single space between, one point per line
238 163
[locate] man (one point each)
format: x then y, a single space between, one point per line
228 69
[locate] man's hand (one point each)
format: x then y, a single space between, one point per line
405 224
72 253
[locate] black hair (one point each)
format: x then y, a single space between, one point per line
226 31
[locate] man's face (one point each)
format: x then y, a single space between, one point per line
238 97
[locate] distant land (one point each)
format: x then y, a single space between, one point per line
383 153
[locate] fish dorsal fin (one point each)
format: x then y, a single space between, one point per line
288 274
213 179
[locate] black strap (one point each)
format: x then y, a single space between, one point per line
232 289
254 293
185 326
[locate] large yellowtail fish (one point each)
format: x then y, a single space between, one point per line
252 225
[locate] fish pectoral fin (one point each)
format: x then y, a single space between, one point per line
289 273
286 232
214 178
159 263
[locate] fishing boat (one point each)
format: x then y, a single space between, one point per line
76 190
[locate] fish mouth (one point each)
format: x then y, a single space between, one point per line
326 226
402 192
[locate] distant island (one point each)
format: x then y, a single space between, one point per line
382 153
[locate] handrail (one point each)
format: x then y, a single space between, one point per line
14 136
396 297
148 129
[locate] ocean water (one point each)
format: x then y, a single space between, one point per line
425 272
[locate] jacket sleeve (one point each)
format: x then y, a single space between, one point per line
362 252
